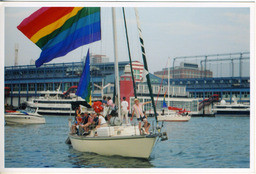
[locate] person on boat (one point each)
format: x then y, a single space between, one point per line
124 110
146 123
85 123
108 117
101 121
109 106
77 111
93 121
85 118
104 105
77 122
104 101
137 110
110 103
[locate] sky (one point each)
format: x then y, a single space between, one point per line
167 32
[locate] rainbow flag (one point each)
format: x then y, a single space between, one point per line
164 103
84 88
59 30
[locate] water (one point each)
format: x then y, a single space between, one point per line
203 142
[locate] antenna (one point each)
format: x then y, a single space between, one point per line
16 48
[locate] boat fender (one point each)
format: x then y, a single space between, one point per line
97 106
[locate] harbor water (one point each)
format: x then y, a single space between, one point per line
203 142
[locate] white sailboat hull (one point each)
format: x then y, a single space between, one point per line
127 146
23 119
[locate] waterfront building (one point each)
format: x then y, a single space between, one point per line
184 71
26 81
97 58
225 87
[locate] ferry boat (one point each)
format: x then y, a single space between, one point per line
233 109
27 116
55 102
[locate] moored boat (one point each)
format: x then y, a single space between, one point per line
54 102
27 116
233 109
173 114
174 118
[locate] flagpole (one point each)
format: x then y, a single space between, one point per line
116 61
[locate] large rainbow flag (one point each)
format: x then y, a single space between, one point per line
59 30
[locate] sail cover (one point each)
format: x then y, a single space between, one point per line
84 88
59 30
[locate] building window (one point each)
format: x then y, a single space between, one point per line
49 86
23 87
56 86
31 87
40 87
140 88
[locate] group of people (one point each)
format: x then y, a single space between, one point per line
95 120
87 121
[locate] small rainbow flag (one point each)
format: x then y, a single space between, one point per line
59 30
164 103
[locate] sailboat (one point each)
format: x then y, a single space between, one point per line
65 29
174 114
122 140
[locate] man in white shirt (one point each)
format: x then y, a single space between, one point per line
124 110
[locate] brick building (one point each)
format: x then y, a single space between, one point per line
184 71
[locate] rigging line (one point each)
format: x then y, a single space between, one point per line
145 63
129 53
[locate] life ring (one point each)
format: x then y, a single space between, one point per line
97 106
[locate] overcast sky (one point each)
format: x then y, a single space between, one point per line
167 32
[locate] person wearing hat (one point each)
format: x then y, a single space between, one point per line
124 110
137 110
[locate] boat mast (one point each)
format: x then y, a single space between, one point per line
129 53
145 63
116 61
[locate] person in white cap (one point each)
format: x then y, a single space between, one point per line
137 110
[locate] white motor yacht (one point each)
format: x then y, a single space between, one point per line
27 116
